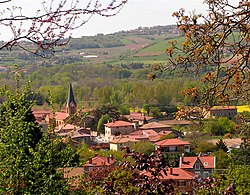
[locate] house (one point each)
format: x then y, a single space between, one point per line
156 126
121 141
99 162
118 128
77 134
182 179
65 128
172 123
222 111
200 165
40 115
173 146
230 143
144 134
140 118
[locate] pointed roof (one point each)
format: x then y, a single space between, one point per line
71 98
207 162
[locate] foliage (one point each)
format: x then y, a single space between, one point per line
29 156
169 136
104 119
220 145
220 126
223 160
204 147
234 181
241 155
220 40
144 147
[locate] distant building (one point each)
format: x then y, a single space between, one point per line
121 141
118 128
140 117
223 111
173 146
99 162
156 126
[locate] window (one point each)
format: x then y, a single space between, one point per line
205 174
172 149
198 173
181 183
197 166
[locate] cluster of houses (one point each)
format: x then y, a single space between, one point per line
137 128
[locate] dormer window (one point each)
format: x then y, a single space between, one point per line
197 166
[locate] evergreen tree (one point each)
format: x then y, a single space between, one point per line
29 157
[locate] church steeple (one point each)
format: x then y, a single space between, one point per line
71 107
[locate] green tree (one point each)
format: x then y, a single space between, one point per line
223 160
29 156
145 147
241 155
104 119
220 145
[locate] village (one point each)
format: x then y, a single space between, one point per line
136 127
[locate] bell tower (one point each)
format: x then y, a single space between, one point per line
71 107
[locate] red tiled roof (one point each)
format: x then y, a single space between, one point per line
138 116
74 134
206 161
61 115
172 142
224 108
98 161
154 125
121 139
148 132
177 174
118 124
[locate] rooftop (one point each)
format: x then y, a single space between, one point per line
206 161
118 124
172 142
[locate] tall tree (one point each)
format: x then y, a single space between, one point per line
29 157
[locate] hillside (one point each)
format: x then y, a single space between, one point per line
146 45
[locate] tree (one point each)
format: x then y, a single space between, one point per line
219 39
221 145
104 119
48 27
29 156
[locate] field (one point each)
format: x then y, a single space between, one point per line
245 108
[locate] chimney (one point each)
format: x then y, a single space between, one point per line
171 170
90 160
182 158
108 160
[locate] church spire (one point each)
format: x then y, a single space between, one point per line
71 106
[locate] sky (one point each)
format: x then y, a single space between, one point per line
136 13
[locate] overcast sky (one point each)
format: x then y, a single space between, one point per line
144 13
